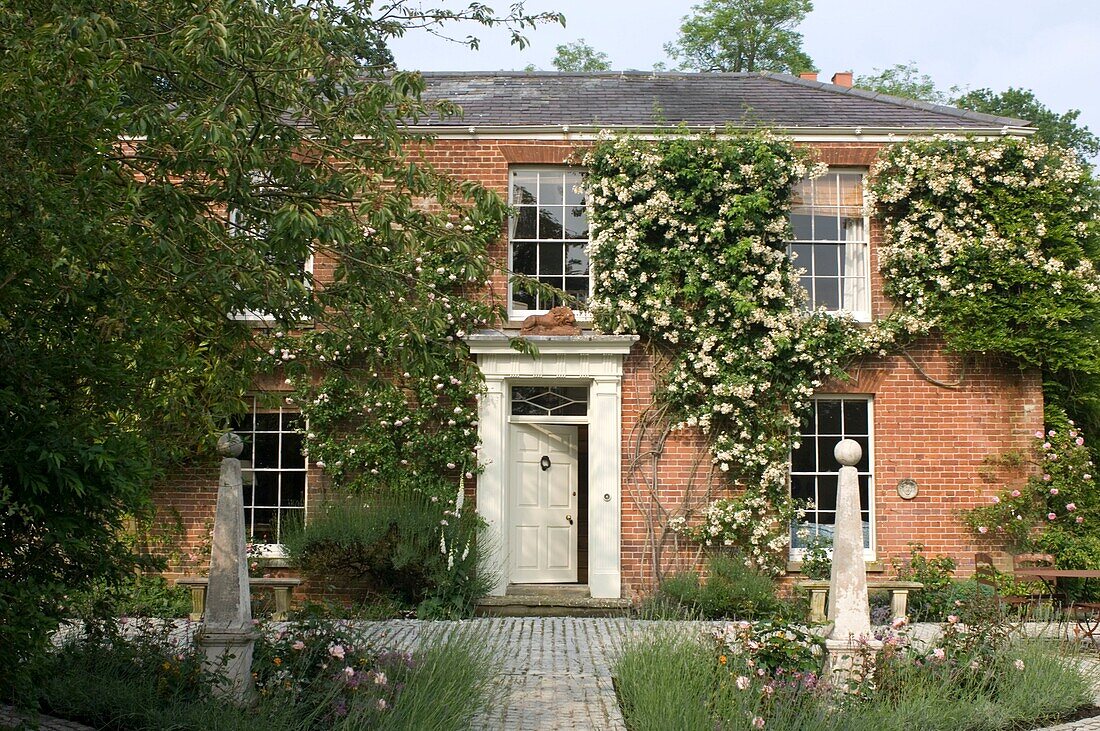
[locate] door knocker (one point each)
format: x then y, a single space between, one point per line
544 463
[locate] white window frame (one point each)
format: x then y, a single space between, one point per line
236 230
514 314
550 418
870 550
863 312
269 550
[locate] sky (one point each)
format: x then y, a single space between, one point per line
1049 46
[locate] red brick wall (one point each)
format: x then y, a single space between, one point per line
939 436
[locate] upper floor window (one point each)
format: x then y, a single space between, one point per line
247 229
273 470
547 236
830 242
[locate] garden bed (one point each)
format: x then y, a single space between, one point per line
312 675
769 676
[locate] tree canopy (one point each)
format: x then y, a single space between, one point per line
1051 127
904 80
579 56
743 35
167 170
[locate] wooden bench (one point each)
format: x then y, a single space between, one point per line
281 587
899 596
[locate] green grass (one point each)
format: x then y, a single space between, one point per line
667 675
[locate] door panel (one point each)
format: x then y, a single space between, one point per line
543 503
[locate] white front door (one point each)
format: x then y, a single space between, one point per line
543 489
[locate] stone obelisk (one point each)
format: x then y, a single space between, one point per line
227 636
850 640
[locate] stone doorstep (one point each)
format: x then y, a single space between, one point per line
541 600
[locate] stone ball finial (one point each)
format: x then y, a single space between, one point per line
848 452
230 445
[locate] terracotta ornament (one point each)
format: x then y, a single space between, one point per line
558 321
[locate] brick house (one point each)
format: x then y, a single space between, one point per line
575 483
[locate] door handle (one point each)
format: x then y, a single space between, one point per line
570 519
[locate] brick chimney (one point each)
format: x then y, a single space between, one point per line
808 75
843 78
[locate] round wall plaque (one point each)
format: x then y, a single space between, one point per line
907 489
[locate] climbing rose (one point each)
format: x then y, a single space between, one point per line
1051 516
982 529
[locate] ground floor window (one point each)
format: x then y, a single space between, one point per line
814 468
273 471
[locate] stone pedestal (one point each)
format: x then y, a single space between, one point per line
850 645
227 636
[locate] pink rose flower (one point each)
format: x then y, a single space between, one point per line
1054 491
1071 507
1080 519
337 651
1046 478
982 529
952 619
996 500
1015 493
298 645
1051 516
1079 441
742 682
757 722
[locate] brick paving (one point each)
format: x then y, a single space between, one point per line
555 671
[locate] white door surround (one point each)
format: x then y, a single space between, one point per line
596 360
543 503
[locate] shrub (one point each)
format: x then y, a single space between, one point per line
410 544
732 590
673 675
310 676
935 600
140 595
817 561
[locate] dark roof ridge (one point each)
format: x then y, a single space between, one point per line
904 101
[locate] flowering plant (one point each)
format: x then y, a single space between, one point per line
689 250
317 663
769 648
994 244
1061 496
750 522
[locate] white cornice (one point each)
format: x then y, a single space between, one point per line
498 343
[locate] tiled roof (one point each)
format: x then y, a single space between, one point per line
637 98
